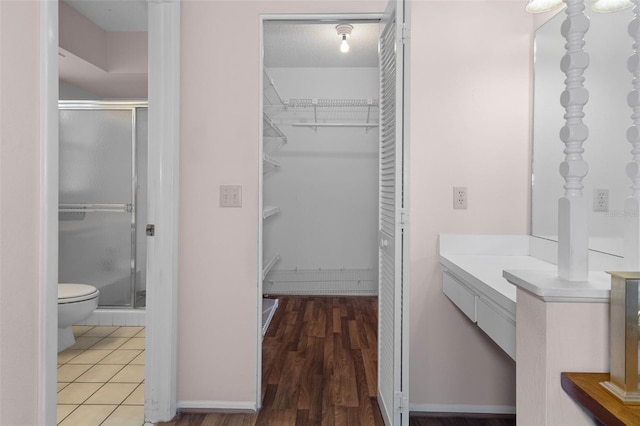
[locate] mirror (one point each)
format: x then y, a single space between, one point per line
606 114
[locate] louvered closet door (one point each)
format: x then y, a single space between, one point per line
391 385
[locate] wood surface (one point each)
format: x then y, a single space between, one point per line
586 390
320 368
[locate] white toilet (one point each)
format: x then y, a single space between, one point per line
76 302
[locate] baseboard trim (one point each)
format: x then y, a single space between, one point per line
321 282
221 406
462 408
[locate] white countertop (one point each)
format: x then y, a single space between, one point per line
485 273
546 285
496 264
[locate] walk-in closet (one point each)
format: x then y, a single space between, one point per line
320 158
320 152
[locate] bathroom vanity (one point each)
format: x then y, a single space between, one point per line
473 280
508 285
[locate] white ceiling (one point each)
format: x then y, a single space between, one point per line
306 44
114 15
286 44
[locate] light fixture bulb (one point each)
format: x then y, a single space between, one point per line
606 6
344 31
539 6
344 46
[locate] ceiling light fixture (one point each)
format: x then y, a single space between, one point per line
539 6
344 32
606 6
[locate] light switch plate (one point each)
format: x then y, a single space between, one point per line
230 195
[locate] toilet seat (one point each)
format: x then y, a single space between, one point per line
71 293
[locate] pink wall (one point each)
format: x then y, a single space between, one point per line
219 145
82 37
19 213
470 126
470 106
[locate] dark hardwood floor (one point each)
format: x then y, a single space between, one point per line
319 368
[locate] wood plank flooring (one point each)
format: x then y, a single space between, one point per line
319 368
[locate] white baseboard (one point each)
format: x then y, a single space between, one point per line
221 406
462 408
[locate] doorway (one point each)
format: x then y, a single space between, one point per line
164 64
307 219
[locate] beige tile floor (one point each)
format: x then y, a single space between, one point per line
101 378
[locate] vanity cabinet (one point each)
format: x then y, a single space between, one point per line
494 320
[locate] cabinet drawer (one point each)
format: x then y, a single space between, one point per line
501 329
459 294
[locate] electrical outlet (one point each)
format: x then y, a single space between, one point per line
600 200
230 195
459 197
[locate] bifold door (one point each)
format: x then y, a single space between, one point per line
392 388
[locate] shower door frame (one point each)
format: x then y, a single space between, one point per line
163 196
120 106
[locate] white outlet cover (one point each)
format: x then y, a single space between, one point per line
600 200
459 197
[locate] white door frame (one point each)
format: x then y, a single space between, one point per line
405 258
162 257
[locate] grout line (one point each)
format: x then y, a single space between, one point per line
103 383
70 412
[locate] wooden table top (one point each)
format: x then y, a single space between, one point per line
586 390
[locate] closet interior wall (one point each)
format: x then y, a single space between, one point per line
324 184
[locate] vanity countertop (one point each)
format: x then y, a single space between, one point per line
546 285
485 273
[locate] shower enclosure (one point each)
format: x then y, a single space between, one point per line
103 157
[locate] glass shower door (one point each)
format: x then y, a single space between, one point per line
97 239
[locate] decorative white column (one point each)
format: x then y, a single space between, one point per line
632 203
573 231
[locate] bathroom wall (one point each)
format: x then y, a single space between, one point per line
326 187
20 210
68 91
111 64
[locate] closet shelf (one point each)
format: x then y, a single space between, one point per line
270 211
317 113
316 125
271 95
269 266
330 103
270 160
270 128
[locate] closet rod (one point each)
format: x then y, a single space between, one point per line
335 124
